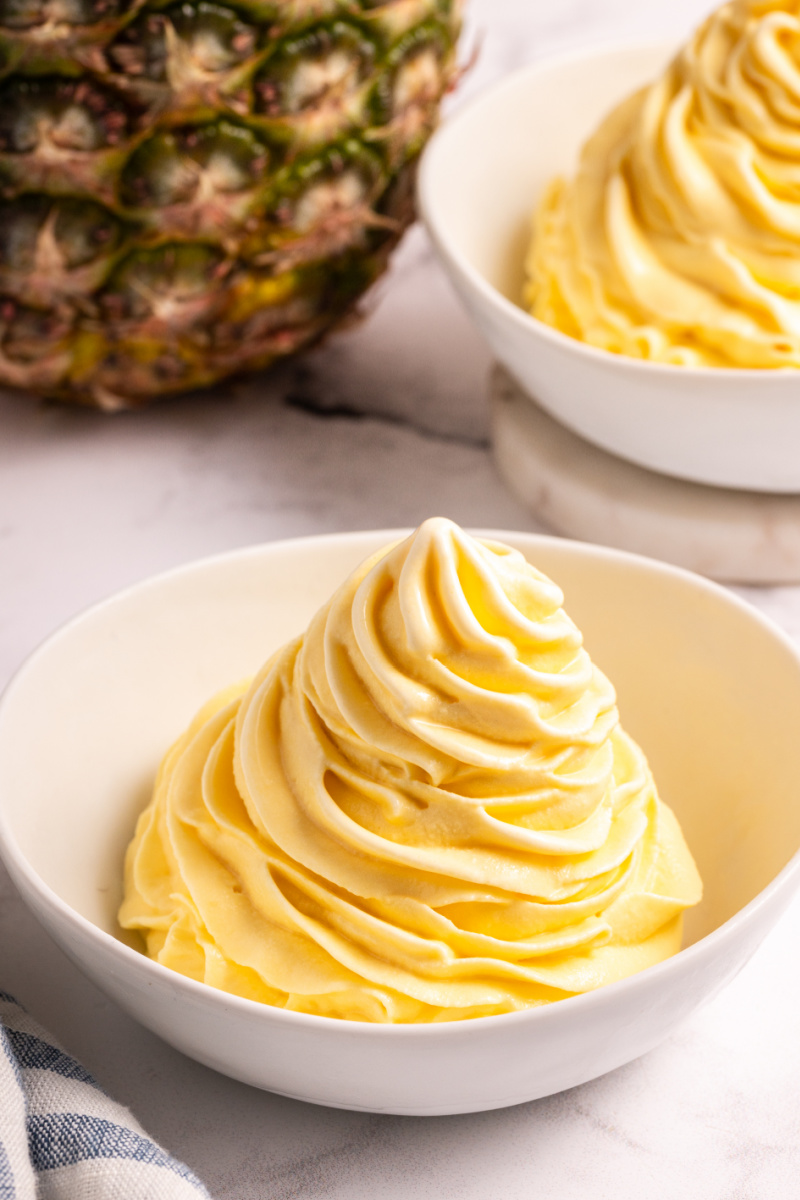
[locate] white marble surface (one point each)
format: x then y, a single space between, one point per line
90 503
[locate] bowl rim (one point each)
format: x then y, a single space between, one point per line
20 869
436 225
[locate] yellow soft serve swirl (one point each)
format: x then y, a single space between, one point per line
678 240
423 809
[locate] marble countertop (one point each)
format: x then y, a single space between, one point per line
382 426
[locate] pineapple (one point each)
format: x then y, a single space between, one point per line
193 189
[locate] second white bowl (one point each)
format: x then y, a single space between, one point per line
480 179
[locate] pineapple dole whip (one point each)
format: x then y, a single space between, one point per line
678 240
423 809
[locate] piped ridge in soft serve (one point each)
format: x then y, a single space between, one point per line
677 239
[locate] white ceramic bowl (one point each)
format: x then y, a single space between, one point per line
709 687
480 179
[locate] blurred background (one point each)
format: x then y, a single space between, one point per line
383 425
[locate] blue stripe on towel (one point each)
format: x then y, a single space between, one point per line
74 1140
62 1139
31 1052
7 1189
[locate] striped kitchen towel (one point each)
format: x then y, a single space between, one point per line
62 1138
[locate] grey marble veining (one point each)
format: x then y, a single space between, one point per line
382 426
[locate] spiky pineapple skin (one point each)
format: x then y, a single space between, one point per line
189 190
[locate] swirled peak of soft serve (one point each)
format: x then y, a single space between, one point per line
678 239
422 809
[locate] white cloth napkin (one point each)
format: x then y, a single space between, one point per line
63 1138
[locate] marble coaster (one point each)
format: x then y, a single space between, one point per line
584 492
